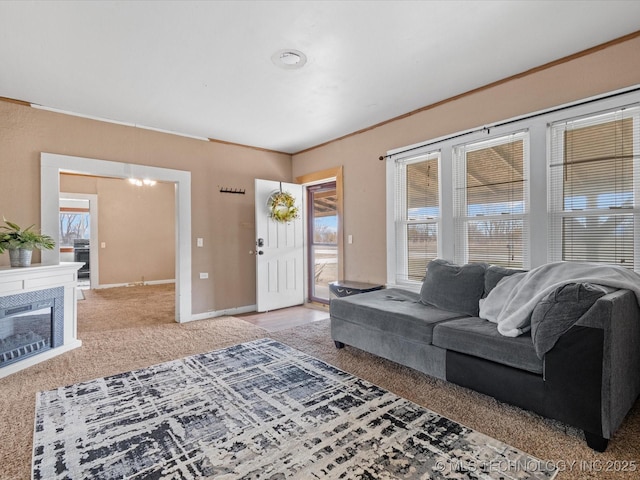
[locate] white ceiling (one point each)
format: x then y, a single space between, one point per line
205 69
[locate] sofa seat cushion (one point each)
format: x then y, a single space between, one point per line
396 311
480 338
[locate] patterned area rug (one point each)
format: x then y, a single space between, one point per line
258 410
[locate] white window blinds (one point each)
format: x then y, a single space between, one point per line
417 215
593 172
491 200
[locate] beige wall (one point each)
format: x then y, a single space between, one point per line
224 221
136 224
601 71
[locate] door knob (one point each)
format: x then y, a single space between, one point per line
260 252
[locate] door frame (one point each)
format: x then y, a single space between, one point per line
94 276
51 165
323 176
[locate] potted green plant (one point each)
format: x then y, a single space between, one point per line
21 242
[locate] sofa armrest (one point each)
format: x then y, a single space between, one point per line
592 374
598 316
618 315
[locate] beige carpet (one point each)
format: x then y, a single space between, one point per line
132 327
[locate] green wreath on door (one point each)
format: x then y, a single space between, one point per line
282 207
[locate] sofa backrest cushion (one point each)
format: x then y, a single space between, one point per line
494 274
456 288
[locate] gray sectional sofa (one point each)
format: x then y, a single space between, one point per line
582 369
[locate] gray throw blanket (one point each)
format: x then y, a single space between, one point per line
512 301
556 313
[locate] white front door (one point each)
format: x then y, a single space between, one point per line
279 251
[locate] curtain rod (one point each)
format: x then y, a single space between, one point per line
514 120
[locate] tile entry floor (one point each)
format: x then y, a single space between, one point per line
284 318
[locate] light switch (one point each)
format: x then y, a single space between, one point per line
103 245
204 275
350 239
199 242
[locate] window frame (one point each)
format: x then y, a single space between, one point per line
556 201
462 218
83 212
400 263
537 123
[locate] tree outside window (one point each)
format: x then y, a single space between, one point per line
73 225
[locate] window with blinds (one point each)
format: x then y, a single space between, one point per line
417 215
491 200
593 182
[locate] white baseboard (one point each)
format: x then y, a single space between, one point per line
222 313
195 316
134 284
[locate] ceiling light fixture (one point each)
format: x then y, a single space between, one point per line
139 183
289 59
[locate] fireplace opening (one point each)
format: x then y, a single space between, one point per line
26 330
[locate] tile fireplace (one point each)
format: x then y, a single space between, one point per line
30 324
38 318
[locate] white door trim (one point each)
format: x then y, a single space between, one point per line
94 262
51 165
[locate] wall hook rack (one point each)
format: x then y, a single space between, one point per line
240 191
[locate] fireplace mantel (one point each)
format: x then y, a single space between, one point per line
15 281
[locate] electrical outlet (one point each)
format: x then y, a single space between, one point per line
204 275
